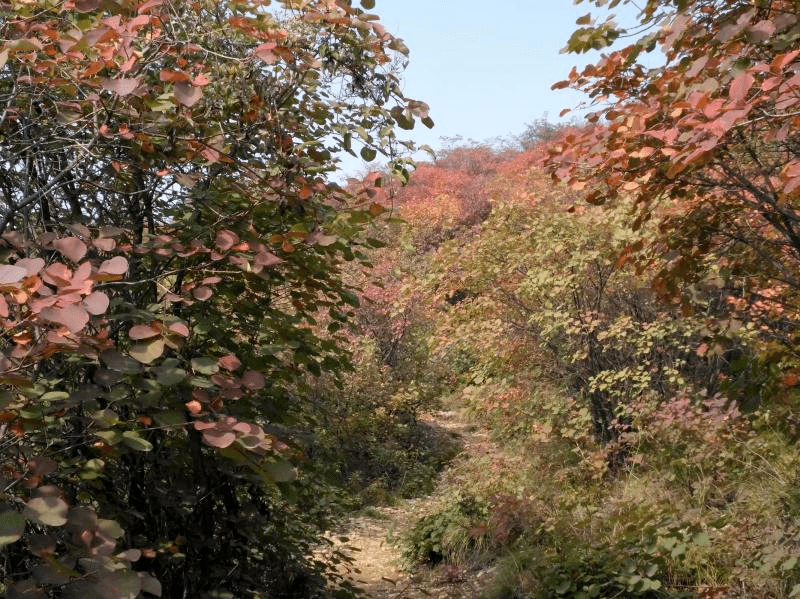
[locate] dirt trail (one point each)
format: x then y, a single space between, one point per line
377 566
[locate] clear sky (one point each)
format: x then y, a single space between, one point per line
485 69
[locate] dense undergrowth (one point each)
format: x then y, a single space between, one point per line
656 438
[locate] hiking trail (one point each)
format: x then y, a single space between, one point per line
377 566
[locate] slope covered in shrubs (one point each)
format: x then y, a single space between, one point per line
658 435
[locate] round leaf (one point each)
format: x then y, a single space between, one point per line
96 303
71 248
50 510
118 265
11 274
205 365
147 352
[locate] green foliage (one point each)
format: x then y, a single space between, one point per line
454 532
369 434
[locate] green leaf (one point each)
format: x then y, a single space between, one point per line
170 375
12 526
205 365
170 418
118 584
350 298
564 587
368 153
119 362
281 471
678 550
701 539
133 440
110 527
368 4
111 437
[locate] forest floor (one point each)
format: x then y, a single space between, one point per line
371 537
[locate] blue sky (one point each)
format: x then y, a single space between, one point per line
485 69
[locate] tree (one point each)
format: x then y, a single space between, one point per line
705 143
171 243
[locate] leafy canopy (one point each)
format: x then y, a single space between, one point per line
171 242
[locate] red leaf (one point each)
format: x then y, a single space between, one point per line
740 86
138 22
41 465
226 239
142 331
218 438
173 76
93 69
265 53
57 274
149 4
128 64
71 247
194 406
121 87
265 258
32 265
11 274
96 303
229 362
104 244
762 30
187 94
87 5
253 380
73 316
179 328
117 265
202 293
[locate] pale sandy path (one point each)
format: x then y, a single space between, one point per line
377 566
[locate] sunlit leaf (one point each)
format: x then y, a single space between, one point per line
147 352
71 248
96 303
49 510
122 86
116 266
229 362
11 274
135 441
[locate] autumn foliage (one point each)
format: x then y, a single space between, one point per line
170 237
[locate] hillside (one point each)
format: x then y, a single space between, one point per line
566 365
655 457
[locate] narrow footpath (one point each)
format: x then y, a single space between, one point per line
377 567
